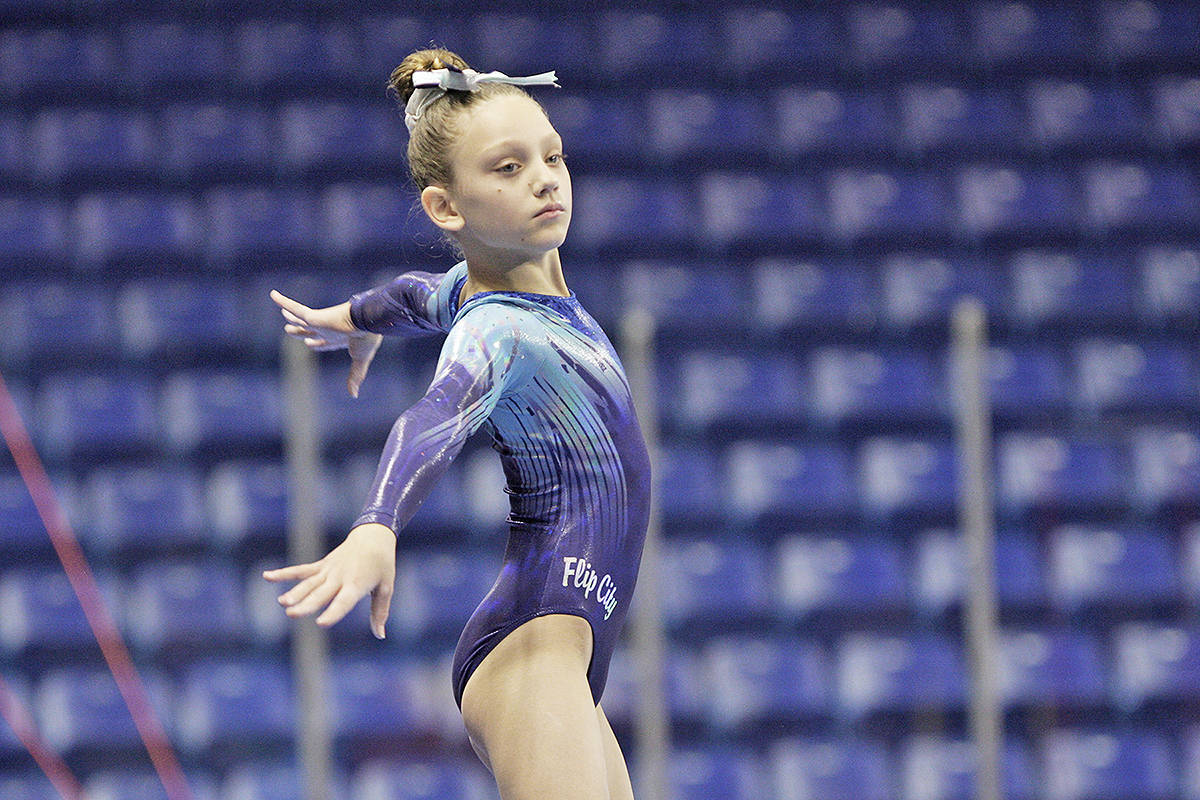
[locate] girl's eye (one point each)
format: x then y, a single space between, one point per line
509 167
557 158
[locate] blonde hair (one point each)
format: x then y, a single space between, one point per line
431 138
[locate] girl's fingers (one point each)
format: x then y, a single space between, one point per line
293 573
317 599
347 597
288 305
301 590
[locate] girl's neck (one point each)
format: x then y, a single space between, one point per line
543 275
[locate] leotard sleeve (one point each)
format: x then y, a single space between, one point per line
487 355
412 304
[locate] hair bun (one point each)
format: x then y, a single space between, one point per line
400 81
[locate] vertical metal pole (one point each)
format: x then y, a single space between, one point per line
310 652
651 730
977 522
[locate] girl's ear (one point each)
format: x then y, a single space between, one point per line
441 209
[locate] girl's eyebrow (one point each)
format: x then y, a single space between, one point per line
516 144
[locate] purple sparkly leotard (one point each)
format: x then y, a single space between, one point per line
540 374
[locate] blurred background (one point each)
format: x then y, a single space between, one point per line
798 192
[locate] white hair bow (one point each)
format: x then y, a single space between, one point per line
432 84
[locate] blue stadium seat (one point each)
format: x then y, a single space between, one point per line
839 574
1028 381
170 54
688 124
525 44
41 611
889 674
695 481
905 35
684 679
756 681
720 773
1117 375
1052 668
157 507
937 116
35 60
13 144
1005 200
1177 108
624 210
250 222
746 207
92 141
96 413
1110 567
837 769
595 126
23 529
1069 113
1170 284
246 701
1073 288
27 786
1153 31
906 475
713 580
224 407
172 602
438 591
672 291
756 38
811 120
1123 194
1155 662
143 784
669 44
939 570
56 319
1084 763
384 396
283 52
1190 779
917 290
1037 470
161 316
934 768
82 707
812 294
868 386
328 134
246 498
702 388
439 779
358 218
201 138
1029 34
373 698
379 34
782 480
135 227
16 687
271 780
32 229
888 204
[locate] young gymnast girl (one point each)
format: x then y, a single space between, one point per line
523 359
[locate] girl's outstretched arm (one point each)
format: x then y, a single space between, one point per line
411 304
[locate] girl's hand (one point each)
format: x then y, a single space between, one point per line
364 563
330 329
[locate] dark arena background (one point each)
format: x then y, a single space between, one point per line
799 195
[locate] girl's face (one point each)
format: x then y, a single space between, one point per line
511 192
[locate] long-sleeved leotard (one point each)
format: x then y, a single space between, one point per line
540 374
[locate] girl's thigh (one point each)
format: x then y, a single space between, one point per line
529 712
